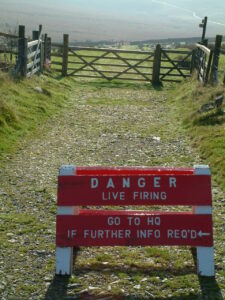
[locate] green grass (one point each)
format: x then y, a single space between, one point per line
206 129
23 110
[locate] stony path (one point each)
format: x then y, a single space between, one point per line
100 126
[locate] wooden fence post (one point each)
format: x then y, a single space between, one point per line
49 48
35 37
22 52
204 40
65 54
216 56
42 53
45 47
40 29
193 60
156 65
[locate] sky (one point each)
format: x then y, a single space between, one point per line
117 19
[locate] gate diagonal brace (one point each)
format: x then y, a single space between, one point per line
89 64
204 66
201 75
175 65
131 66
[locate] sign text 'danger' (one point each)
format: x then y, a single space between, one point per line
134 190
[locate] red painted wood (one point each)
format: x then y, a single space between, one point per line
81 171
92 212
160 228
190 190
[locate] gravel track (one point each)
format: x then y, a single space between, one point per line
106 126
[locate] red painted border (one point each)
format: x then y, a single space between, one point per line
82 171
190 190
185 229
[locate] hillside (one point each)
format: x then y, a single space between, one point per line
23 108
126 20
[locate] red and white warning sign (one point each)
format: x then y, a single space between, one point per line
80 186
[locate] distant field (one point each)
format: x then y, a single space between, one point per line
117 20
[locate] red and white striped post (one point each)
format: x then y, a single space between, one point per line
64 255
205 255
99 186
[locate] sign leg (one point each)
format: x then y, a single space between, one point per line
64 260
64 256
205 261
205 255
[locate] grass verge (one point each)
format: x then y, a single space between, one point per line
25 105
206 128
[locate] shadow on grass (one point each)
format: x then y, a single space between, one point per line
117 85
99 84
209 286
59 287
134 269
214 118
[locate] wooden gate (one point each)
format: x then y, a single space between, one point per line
202 62
33 57
109 64
30 56
117 64
175 64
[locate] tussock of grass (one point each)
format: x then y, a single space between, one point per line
213 118
207 128
23 109
7 115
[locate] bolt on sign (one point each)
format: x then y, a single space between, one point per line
99 186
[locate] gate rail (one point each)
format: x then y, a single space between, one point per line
109 64
202 62
116 64
173 66
33 57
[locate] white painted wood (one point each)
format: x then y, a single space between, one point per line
205 255
37 69
205 261
65 210
32 43
202 210
64 256
203 48
32 54
202 170
67 170
33 63
64 261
